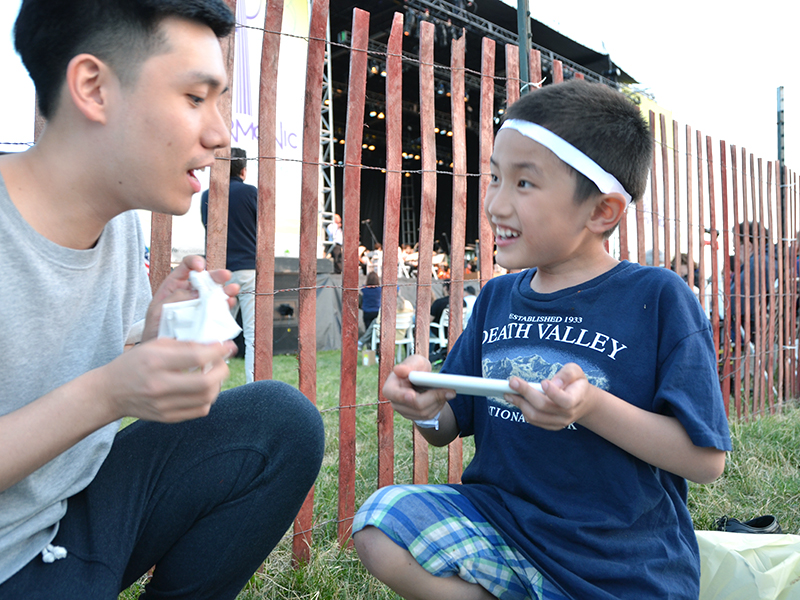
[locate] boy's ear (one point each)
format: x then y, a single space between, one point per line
87 83
608 211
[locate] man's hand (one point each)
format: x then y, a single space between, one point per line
165 380
565 399
176 287
408 400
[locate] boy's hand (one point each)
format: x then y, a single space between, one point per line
165 380
176 287
406 399
566 398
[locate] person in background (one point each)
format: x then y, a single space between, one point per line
202 483
438 305
336 236
370 299
402 306
241 248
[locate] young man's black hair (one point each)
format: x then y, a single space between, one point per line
49 33
600 122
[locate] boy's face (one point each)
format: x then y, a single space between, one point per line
167 123
530 205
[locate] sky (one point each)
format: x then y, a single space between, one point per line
716 66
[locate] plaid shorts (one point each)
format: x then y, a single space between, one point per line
446 534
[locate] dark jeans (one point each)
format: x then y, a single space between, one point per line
204 500
369 317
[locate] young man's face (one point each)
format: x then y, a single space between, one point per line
530 205
167 124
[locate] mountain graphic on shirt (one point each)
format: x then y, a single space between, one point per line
534 368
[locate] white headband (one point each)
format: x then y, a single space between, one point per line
604 180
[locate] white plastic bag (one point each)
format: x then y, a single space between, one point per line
747 566
206 319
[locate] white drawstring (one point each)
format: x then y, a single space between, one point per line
53 553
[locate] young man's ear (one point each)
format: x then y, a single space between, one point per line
87 84
608 211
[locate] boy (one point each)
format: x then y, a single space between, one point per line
579 491
130 91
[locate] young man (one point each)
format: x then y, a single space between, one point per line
578 491
241 248
203 484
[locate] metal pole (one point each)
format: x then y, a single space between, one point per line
524 37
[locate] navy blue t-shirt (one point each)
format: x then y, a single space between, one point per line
242 224
595 520
371 299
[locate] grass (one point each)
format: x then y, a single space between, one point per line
762 476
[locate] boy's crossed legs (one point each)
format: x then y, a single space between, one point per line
426 542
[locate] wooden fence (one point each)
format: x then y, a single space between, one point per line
700 191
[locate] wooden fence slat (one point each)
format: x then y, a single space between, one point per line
769 288
391 233
267 169
486 142
701 220
654 193
640 234
757 199
780 303
712 227
623 235
676 187
558 71
351 221
668 254
746 287
458 220
726 278
160 248
535 66
427 220
217 223
791 338
689 211
512 74
736 301
309 231
793 233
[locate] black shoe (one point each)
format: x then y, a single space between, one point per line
763 524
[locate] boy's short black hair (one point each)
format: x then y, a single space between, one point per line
238 161
121 33
600 122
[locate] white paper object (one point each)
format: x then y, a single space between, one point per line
206 320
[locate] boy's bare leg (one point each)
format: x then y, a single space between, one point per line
398 569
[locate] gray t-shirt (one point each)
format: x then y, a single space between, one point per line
63 313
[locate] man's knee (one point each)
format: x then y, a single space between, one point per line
281 418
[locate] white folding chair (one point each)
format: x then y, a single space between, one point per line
403 322
438 337
439 330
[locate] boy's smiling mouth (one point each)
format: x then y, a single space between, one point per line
503 232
